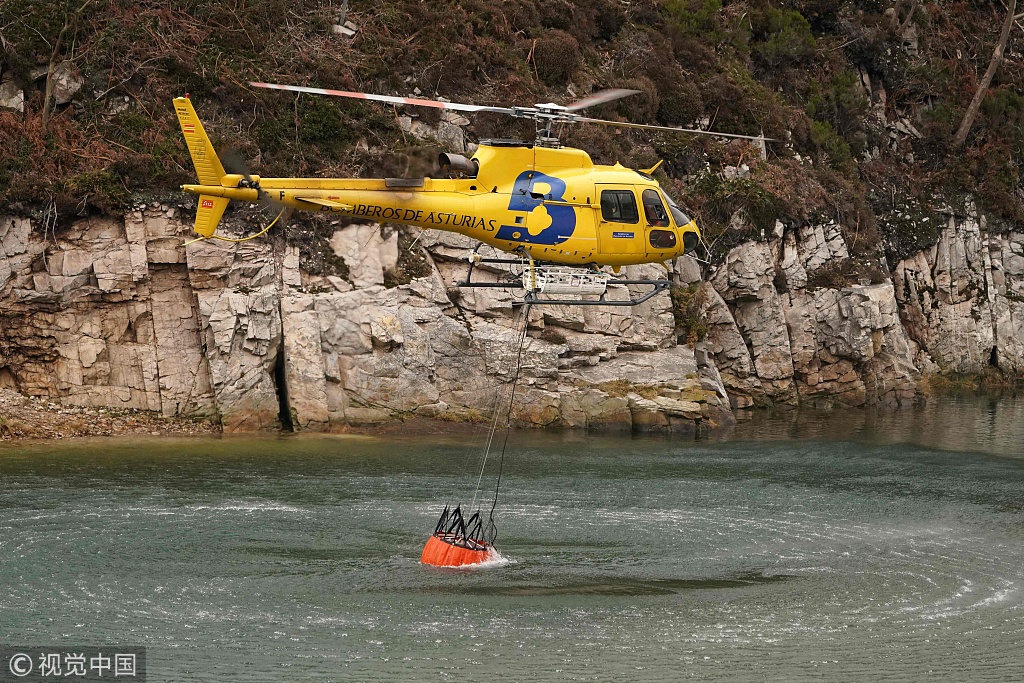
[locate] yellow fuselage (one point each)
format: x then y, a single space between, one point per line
553 203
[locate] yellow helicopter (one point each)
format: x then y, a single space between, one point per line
562 216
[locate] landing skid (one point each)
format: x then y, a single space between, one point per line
536 275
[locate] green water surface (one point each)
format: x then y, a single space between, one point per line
847 547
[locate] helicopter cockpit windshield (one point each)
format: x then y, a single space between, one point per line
655 210
681 218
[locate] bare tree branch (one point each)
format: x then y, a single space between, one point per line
895 18
70 22
986 81
910 17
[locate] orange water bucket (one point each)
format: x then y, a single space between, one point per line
455 543
444 552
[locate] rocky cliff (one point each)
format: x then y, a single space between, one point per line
777 334
119 313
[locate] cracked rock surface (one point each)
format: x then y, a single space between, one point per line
120 314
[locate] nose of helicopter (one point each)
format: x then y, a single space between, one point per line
690 238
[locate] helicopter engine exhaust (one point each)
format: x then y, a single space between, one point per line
456 163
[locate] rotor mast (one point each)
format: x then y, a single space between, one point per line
545 115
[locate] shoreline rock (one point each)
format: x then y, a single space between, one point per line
23 418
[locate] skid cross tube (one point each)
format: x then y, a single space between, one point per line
531 296
502 285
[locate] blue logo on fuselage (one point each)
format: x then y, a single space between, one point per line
563 218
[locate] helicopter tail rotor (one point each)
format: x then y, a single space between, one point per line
222 177
235 163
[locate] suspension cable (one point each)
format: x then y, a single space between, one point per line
521 334
492 527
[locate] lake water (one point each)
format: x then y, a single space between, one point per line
801 547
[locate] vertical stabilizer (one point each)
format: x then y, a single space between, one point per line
204 158
208 166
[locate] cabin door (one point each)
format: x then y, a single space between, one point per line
660 238
619 229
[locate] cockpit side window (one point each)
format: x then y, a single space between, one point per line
619 206
654 209
680 217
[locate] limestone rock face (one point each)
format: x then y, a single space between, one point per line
11 94
85 317
745 284
962 299
240 312
818 244
850 348
67 81
773 339
367 253
119 313
954 307
376 355
17 248
729 349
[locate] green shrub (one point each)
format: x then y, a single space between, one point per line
830 146
1000 182
320 122
102 188
839 102
718 200
939 121
687 309
1003 109
845 272
694 17
781 38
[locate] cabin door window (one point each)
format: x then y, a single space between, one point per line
660 237
620 229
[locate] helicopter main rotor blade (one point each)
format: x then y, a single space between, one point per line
645 126
600 98
385 98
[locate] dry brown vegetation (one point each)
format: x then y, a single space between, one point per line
791 69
